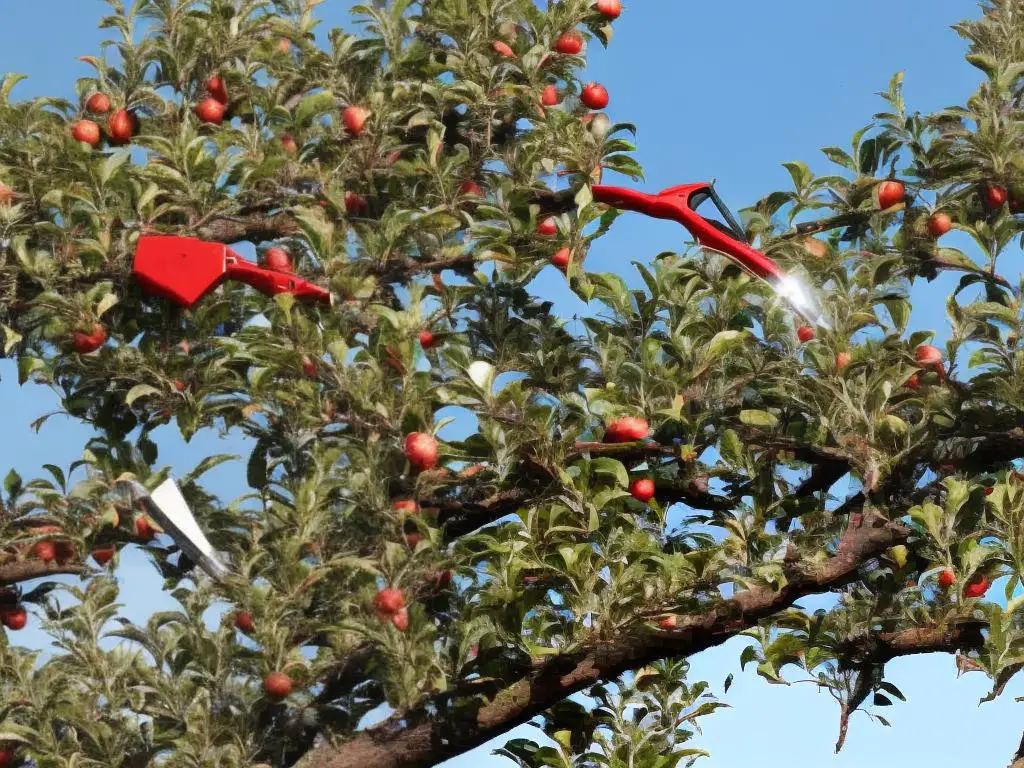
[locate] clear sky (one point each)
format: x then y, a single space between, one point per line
725 90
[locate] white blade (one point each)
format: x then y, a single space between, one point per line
171 510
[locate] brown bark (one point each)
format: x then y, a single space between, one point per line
417 738
26 570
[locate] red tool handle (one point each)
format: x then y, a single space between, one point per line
271 282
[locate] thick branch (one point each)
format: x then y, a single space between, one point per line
415 738
256 228
26 570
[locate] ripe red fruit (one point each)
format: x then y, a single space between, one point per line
668 622
408 506
642 489
989 490
98 103
427 339
913 383
355 204
7 758
244 622
547 227
121 126
471 189
277 259
627 429
947 578
939 224
284 45
87 132
288 145
570 43
890 193
14 618
309 366
928 356
401 620
6 194
412 540
561 259
594 96
389 601
85 343
503 49
354 119
103 555
217 89
610 9
144 529
842 360
421 450
550 97
977 586
805 333
277 685
995 195
45 551
211 111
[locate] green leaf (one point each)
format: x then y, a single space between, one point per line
12 483
256 469
139 390
108 301
613 467
313 105
731 448
758 418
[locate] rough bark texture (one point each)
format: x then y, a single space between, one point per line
25 570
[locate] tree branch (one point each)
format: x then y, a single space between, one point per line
419 738
26 570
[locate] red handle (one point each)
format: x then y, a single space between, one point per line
271 282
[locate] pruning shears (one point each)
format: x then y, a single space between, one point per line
724 236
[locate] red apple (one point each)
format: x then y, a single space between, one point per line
6 194
122 125
421 450
277 259
939 224
103 555
407 506
627 429
98 103
86 343
570 43
550 97
561 258
947 578
471 189
805 333
14 618
211 111
977 586
355 204
610 9
668 623
503 49
244 622
547 227
288 145
217 89
7 757
427 339
45 551
277 686
989 490
594 96
309 366
389 601
144 529
354 118
995 195
928 356
412 539
842 360
87 132
913 383
642 489
890 193
284 45
401 620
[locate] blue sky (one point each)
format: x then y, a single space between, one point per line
725 91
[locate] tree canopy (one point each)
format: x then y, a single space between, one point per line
395 598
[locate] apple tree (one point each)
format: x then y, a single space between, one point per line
625 497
